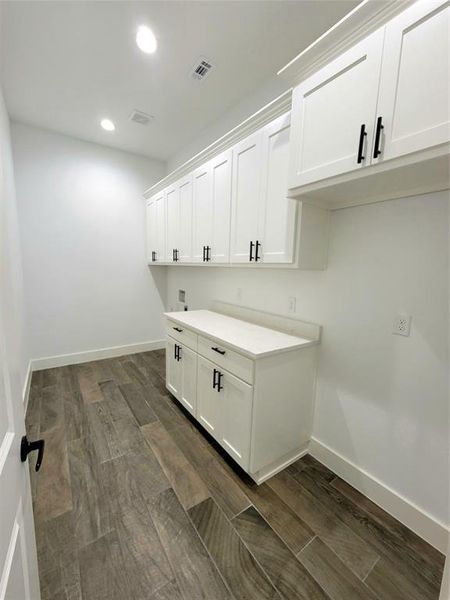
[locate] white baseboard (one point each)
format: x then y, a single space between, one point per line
421 522
61 360
26 386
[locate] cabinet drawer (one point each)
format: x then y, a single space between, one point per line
230 360
181 334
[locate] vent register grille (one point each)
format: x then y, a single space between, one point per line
142 118
201 69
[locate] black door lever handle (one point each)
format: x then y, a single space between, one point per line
26 447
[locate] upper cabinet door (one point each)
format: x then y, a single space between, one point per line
173 221
414 88
221 207
278 214
161 227
246 195
331 112
184 245
151 218
202 212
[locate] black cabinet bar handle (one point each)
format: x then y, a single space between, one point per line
177 329
26 447
204 253
362 135
215 372
175 351
219 381
258 245
173 254
178 353
218 350
376 148
208 253
251 251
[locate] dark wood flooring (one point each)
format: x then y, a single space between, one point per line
134 503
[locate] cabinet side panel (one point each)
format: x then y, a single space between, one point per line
283 405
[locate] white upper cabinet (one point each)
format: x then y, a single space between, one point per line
156 228
245 198
179 220
151 230
173 222
277 212
202 212
221 212
184 246
414 87
211 210
333 115
385 98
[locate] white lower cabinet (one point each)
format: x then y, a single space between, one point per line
181 373
224 408
259 409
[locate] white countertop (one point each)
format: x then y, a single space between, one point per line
247 338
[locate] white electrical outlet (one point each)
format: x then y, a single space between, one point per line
292 304
402 325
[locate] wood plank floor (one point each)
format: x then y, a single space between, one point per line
134 502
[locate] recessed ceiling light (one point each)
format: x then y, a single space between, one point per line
145 39
107 124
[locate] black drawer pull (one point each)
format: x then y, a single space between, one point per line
380 126
362 135
217 380
251 251
258 245
218 350
26 447
208 253
177 329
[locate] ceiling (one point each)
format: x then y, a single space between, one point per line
66 65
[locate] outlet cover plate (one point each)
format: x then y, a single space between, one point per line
402 325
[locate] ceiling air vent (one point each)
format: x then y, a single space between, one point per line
140 117
201 69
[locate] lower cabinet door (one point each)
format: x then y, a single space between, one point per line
208 399
173 368
235 401
188 362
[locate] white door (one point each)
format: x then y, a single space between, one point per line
208 398
188 362
414 88
184 245
329 111
173 222
221 203
235 402
151 230
245 199
173 368
18 561
202 213
278 215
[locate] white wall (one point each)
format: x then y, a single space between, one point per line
268 91
382 400
82 223
12 311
